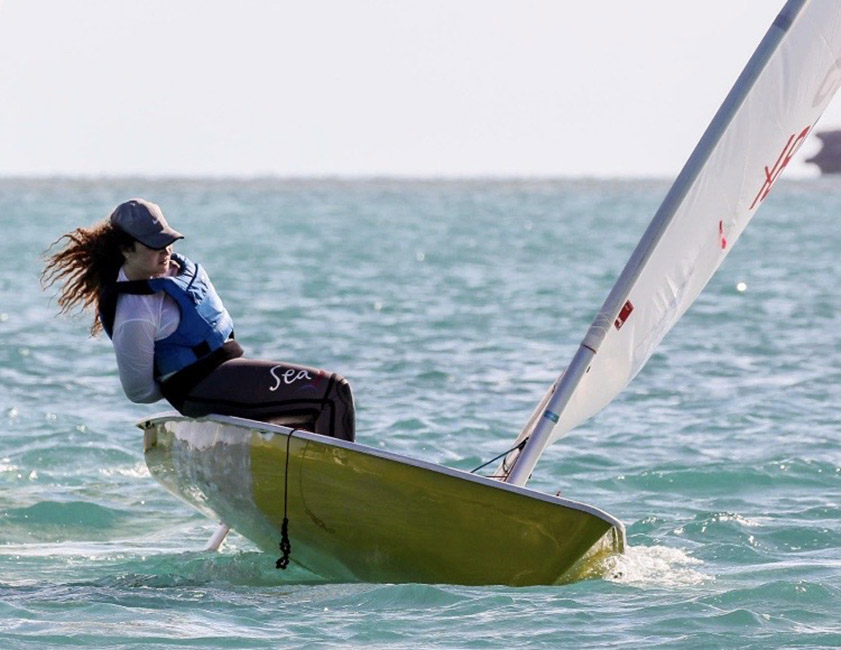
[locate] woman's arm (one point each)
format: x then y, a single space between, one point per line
134 344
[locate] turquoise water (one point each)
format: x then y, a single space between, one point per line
450 307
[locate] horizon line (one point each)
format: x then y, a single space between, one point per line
351 178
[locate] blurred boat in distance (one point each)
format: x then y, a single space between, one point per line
828 159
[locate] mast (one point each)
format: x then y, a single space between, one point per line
618 298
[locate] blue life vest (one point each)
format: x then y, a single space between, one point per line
205 324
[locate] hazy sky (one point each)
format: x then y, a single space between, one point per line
387 87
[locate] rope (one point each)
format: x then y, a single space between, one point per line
504 453
285 545
326 402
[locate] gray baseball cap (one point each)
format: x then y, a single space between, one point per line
144 221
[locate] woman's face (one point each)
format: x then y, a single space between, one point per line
143 262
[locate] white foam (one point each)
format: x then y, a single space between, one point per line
138 470
654 566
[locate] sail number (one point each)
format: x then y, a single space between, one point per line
771 175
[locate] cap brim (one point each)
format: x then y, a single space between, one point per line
161 240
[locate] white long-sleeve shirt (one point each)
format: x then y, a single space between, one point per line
139 321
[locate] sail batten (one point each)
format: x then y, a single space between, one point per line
762 122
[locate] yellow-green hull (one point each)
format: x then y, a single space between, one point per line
357 513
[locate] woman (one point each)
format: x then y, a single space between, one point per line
172 335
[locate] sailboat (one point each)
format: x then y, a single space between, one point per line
346 511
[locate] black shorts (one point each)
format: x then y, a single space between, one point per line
283 393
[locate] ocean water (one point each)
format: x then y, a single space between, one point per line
450 306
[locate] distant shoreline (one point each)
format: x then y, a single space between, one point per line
349 180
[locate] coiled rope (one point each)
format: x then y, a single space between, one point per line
285 545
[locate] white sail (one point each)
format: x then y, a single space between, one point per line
772 108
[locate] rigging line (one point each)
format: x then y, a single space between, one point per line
519 446
326 401
285 545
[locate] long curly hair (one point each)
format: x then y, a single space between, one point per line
88 262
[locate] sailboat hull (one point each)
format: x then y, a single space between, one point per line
362 514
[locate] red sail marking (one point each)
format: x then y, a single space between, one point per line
771 175
626 310
721 235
